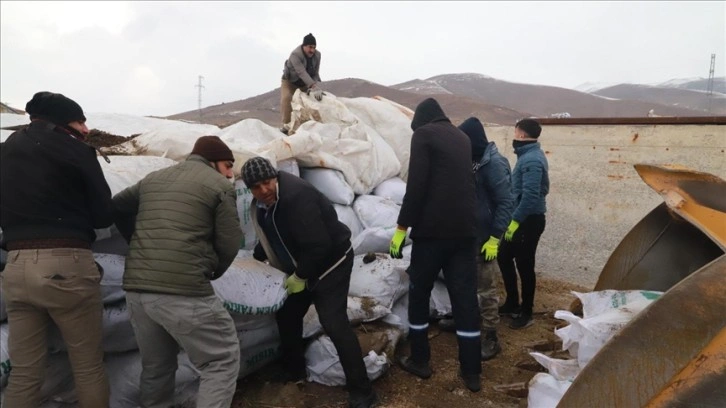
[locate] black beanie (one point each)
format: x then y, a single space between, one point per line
309 40
530 126
213 149
55 108
475 130
257 169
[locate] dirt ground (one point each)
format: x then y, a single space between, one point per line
399 389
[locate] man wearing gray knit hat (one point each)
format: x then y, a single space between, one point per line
299 234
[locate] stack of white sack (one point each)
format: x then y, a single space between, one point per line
355 162
605 313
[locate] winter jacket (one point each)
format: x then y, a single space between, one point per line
295 68
530 181
187 230
494 201
52 186
308 227
440 198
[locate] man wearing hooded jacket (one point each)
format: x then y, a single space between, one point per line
299 233
493 211
439 206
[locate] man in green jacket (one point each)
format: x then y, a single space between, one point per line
187 233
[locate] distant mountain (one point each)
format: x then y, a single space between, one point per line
680 96
540 100
490 99
696 84
266 107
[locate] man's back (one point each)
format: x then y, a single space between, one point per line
187 228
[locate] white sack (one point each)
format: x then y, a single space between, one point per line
125 171
359 310
128 125
174 141
323 363
374 211
399 315
244 198
558 368
252 322
347 216
329 182
440 303
594 303
391 120
112 281
249 339
4 355
357 151
251 287
393 189
545 391
383 280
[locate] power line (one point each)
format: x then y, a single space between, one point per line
199 99
709 90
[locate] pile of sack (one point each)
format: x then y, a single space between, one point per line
355 151
605 313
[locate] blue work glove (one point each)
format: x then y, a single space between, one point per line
397 243
490 248
294 284
511 229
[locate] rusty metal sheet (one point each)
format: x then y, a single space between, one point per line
632 368
701 383
676 238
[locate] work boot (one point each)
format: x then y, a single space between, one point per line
490 345
421 370
447 325
284 130
369 400
510 309
471 381
521 321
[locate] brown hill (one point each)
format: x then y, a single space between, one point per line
266 107
683 98
540 100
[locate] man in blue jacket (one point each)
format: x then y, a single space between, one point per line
530 185
493 211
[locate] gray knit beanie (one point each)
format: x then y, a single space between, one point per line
257 169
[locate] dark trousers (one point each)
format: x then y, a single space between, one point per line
456 257
522 249
330 297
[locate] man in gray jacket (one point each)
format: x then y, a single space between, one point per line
301 71
187 233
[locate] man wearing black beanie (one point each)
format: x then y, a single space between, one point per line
54 195
301 71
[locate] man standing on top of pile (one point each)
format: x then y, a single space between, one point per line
530 185
494 205
187 233
439 206
299 234
301 71
54 195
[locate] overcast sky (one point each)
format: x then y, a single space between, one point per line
144 58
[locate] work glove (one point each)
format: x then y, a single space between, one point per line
490 248
318 94
294 284
511 229
397 243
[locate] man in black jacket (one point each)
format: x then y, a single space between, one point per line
439 206
299 234
54 195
